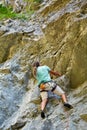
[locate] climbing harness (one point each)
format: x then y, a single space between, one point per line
47 86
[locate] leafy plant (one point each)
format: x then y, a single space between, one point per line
6 12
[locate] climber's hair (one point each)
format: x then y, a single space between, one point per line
36 64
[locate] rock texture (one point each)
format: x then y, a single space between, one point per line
56 35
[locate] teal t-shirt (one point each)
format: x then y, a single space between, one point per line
42 74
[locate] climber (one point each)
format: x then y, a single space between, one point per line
45 83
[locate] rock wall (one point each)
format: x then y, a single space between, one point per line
56 35
66 33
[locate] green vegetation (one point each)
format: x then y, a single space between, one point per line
7 12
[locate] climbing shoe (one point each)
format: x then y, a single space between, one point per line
67 105
42 114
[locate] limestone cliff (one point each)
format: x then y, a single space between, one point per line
57 36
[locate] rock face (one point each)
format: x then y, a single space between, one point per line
56 35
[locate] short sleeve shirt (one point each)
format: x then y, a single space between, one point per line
42 74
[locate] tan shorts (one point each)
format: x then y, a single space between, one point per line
49 87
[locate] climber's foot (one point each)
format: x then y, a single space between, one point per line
42 114
67 105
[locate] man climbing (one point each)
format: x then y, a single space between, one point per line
45 83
